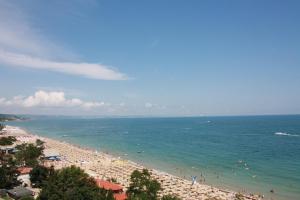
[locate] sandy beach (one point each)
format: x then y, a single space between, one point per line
105 166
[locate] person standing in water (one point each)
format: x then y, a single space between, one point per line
194 179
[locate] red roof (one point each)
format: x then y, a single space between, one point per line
108 185
24 170
120 196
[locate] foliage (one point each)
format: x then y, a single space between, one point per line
239 196
39 175
2 126
6 117
72 183
142 186
40 143
8 172
27 198
7 140
213 198
169 197
6 177
28 154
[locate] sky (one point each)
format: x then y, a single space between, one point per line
150 58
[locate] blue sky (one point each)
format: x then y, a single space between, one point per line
158 58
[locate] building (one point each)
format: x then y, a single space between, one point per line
115 188
24 170
24 177
120 196
19 192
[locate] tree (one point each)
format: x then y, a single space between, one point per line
28 154
72 183
7 140
40 143
142 186
170 197
27 198
39 175
2 126
8 172
8 177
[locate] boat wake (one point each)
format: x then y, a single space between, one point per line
286 134
65 136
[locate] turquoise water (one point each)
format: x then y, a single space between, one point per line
256 153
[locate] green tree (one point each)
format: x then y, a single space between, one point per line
8 172
2 126
170 197
39 143
7 140
142 186
72 183
28 154
27 198
39 175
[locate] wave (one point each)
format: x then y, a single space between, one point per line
64 136
286 134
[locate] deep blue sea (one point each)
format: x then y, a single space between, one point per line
255 153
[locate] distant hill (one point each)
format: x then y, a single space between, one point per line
8 117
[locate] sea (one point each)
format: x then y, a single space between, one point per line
257 154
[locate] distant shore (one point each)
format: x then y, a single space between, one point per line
106 166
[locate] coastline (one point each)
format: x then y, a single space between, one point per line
103 165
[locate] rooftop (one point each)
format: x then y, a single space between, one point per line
19 192
108 185
120 196
24 170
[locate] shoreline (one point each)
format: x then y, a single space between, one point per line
104 165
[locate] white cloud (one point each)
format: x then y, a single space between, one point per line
50 99
89 70
42 98
58 102
23 45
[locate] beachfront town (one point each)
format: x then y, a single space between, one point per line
34 167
